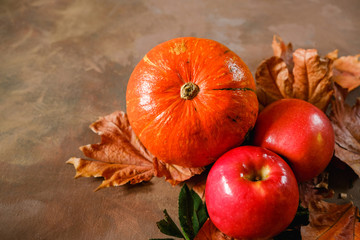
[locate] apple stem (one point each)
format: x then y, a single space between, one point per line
255 176
252 177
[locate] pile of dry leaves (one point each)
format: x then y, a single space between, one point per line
120 157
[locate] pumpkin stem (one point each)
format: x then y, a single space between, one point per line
189 90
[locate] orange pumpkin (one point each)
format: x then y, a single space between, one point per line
189 100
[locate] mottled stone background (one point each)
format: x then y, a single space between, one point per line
65 63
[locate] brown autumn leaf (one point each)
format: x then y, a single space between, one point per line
283 51
209 232
121 158
300 74
346 71
273 81
346 123
174 174
314 191
333 55
326 220
198 183
330 221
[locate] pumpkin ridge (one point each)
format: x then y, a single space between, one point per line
174 97
234 89
174 104
148 61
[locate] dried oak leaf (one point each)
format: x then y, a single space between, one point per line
209 232
121 158
300 74
346 123
346 71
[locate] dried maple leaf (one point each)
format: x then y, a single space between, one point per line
346 72
327 220
173 173
300 74
312 77
120 157
114 174
330 221
283 51
310 193
198 183
209 232
333 55
346 124
273 81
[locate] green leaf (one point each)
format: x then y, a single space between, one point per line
200 214
192 212
192 216
186 210
168 227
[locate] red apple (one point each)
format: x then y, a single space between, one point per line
300 133
251 193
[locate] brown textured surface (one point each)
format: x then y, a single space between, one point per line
65 63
